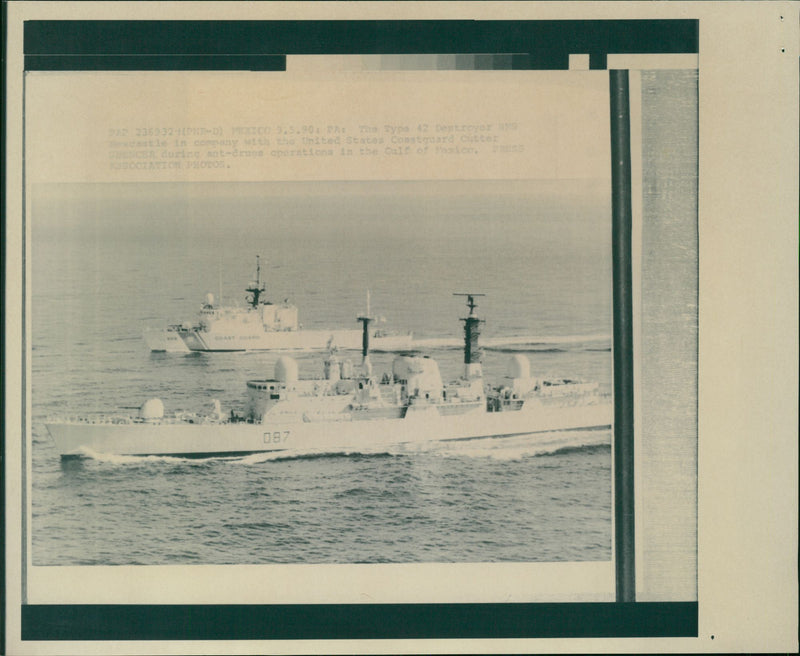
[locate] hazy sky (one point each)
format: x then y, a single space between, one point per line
89 206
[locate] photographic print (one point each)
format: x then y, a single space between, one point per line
361 327
296 346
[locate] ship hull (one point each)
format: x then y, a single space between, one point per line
186 341
231 439
165 341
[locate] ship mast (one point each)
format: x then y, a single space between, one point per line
256 288
365 320
472 331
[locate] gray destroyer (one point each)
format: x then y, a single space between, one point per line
352 408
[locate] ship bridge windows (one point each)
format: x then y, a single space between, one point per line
267 385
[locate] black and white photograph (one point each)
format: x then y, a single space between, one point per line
370 416
360 325
405 370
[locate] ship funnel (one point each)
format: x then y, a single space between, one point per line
472 331
365 362
365 321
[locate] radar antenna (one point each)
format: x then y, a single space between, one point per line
471 304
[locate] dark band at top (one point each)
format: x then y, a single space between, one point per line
263 45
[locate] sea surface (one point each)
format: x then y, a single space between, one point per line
109 261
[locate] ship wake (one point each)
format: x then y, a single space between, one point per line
497 448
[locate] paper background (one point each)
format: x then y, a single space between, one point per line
748 315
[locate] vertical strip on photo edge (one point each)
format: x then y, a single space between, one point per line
26 467
624 553
635 99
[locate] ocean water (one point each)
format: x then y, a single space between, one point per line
109 261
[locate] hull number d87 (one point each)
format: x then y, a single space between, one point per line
276 437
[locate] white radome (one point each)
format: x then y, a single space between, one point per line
152 409
519 367
286 369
